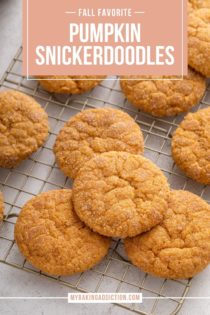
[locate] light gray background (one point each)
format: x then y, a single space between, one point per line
10 31
14 282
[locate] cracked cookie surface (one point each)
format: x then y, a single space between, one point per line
191 146
179 247
120 194
164 97
1 207
199 40
23 127
92 132
198 4
74 84
52 238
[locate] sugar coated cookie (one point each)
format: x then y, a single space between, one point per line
164 97
120 194
23 127
52 238
198 4
191 146
92 132
179 247
199 40
70 84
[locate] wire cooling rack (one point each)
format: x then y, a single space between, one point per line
40 173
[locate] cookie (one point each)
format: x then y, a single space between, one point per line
92 132
164 97
52 238
179 247
198 4
23 127
199 40
1 207
120 194
191 146
74 84
190 7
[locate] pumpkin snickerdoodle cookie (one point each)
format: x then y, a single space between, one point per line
52 238
199 40
70 84
23 127
120 194
1 207
191 146
164 97
179 247
92 132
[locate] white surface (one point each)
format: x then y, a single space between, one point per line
200 287
19 283
10 31
14 282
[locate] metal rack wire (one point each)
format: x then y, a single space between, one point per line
40 173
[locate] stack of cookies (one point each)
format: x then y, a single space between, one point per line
169 97
116 193
162 98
